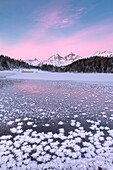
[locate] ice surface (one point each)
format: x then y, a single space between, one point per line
55 125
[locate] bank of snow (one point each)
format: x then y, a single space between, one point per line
43 75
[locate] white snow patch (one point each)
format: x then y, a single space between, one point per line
60 123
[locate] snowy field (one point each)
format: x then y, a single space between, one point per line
54 124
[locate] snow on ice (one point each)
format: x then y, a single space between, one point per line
56 124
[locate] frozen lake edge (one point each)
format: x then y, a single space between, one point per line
98 78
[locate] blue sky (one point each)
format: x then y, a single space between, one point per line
40 28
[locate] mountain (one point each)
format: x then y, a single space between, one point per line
71 58
103 54
55 60
34 62
58 61
100 62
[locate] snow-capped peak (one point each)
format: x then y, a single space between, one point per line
103 54
33 62
55 57
71 56
57 60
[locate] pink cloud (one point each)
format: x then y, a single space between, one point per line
81 9
65 20
59 18
55 20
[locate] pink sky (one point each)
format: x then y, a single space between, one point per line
40 29
84 43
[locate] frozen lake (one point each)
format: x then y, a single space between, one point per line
55 124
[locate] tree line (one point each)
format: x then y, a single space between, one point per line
7 63
94 64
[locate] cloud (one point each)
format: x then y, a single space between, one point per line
81 9
60 18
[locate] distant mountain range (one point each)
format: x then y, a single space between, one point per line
103 54
101 62
57 60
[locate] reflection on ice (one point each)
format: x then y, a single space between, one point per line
55 125
29 88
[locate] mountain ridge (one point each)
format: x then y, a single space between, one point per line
102 63
57 60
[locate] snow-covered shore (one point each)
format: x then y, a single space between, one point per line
43 75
